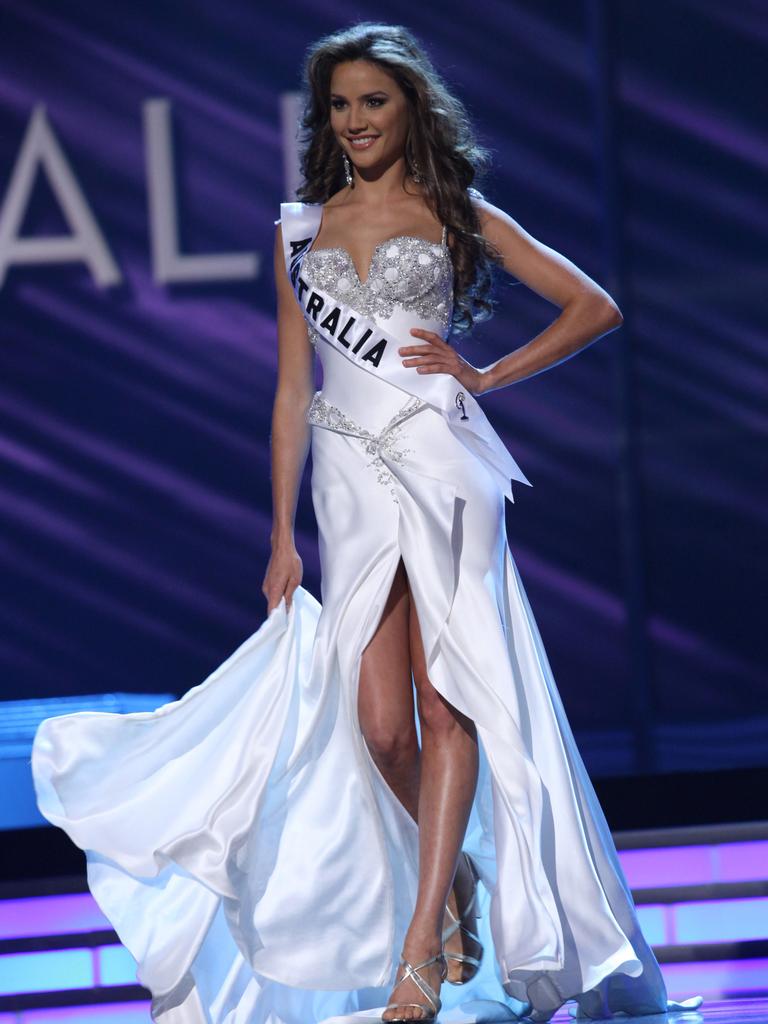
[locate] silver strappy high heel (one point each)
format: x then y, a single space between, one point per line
411 971
464 958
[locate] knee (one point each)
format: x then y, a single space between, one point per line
435 713
392 748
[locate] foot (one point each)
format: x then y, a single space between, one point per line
416 952
459 901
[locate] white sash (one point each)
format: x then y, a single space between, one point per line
368 346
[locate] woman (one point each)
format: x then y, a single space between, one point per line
269 844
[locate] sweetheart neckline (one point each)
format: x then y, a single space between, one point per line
443 246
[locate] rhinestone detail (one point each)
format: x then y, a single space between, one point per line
408 271
322 413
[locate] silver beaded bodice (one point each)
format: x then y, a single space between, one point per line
408 272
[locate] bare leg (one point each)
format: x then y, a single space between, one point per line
385 698
449 766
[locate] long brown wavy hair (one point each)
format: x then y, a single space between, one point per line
440 143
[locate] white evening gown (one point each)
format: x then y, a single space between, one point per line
242 841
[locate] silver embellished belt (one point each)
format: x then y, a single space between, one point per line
322 413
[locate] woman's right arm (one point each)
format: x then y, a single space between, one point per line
290 437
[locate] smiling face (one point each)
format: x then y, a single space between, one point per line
367 104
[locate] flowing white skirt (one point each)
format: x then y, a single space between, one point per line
246 848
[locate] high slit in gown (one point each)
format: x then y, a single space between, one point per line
242 841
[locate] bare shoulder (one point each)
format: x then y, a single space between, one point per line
496 224
542 268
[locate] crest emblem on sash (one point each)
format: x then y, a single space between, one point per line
460 405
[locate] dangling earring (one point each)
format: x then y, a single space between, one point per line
413 167
348 170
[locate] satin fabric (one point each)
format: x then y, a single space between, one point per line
242 841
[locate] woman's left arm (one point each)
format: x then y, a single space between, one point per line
587 310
